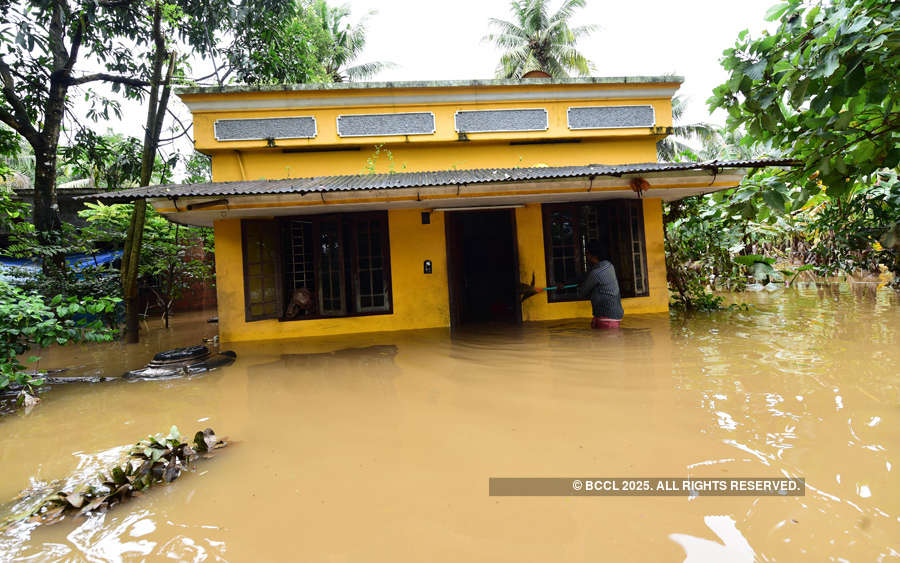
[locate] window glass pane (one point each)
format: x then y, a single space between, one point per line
255 290
564 268
299 257
331 265
371 279
260 241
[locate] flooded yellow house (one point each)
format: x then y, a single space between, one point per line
360 207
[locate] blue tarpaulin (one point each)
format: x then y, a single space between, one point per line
13 269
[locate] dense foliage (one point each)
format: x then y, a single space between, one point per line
823 88
285 45
28 320
173 257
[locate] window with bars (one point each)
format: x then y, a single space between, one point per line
341 262
617 223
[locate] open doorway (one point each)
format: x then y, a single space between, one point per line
483 266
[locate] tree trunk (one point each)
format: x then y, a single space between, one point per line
47 221
156 111
46 209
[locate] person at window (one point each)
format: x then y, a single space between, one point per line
602 287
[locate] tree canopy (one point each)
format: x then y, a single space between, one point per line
536 40
822 88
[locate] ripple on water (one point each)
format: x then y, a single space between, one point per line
389 439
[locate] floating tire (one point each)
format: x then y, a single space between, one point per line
187 355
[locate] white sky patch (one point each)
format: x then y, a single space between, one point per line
442 40
431 40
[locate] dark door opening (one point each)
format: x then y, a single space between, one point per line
483 266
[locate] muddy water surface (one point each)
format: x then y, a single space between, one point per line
380 447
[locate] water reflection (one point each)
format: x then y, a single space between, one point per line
389 439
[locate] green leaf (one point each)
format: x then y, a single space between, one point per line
756 70
776 11
811 15
855 80
843 120
829 65
750 259
775 200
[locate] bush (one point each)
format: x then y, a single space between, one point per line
28 320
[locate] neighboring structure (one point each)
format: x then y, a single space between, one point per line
67 194
357 207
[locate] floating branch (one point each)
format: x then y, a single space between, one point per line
153 461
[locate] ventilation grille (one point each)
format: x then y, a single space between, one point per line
488 121
611 117
265 128
380 124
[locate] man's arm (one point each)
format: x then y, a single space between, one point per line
587 286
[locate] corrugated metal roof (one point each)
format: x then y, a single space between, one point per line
421 179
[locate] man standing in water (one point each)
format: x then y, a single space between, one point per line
602 287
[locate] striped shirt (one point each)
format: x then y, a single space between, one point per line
603 289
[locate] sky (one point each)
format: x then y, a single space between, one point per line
432 40
429 40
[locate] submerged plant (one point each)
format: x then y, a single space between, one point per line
152 461
28 320
760 267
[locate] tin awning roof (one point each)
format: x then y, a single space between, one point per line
325 184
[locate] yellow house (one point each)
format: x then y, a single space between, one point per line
357 207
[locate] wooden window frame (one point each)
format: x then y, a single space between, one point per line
317 260
279 295
627 205
386 263
347 221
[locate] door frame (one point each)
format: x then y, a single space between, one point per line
454 262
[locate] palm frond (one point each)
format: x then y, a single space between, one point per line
367 70
668 149
533 39
567 10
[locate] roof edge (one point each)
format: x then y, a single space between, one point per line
424 179
477 83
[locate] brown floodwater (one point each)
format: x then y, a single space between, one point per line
379 447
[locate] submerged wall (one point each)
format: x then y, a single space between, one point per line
419 300
422 300
531 259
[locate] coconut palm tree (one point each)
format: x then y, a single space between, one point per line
669 148
536 40
348 42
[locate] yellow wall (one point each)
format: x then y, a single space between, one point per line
422 300
273 164
322 105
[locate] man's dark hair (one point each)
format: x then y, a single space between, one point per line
597 249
